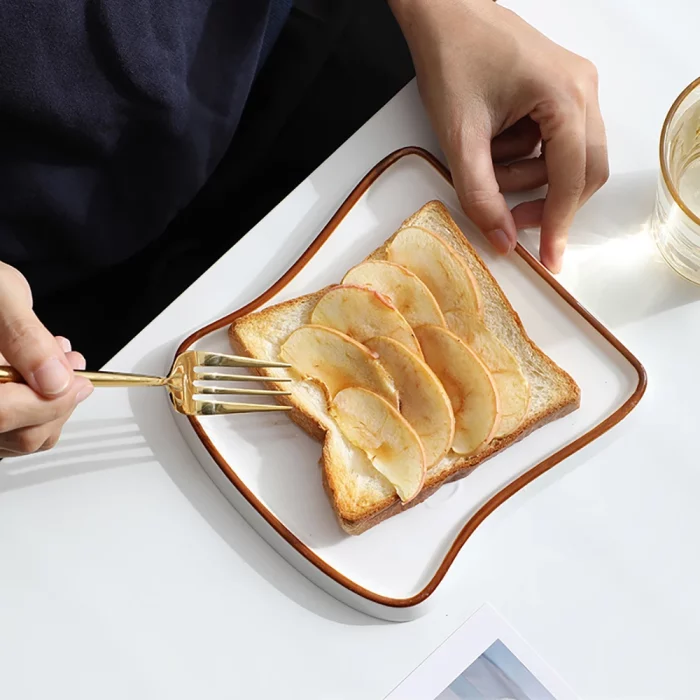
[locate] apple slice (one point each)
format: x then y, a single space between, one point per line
336 361
373 425
362 314
423 400
441 268
407 293
512 386
468 384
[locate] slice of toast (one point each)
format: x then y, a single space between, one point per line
360 495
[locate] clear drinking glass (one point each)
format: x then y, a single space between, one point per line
675 223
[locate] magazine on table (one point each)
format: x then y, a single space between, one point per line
485 659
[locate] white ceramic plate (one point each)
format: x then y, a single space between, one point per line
269 468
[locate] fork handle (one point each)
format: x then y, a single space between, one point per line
104 379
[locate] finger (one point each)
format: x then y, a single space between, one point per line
64 344
519 141
29 440
24 341
479 193
521 175
528 214
565 157
21 407
597 165
76 360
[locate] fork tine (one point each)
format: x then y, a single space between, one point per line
238 390
220 408
216 359
216 376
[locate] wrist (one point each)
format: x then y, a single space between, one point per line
412 7
414 15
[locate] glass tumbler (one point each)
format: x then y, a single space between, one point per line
675 223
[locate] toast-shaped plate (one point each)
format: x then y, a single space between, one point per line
269 468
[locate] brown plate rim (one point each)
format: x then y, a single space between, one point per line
494 501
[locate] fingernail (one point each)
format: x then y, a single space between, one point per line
65 344
553 262
52 377
500 240
84 393
553 265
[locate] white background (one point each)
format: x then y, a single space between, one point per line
124 573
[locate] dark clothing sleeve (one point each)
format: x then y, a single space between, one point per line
113 115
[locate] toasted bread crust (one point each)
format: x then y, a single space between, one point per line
357 518
255 323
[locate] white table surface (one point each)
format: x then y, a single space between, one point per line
125 574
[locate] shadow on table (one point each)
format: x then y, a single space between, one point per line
85 447
152 412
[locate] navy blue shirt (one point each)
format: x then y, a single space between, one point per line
113 114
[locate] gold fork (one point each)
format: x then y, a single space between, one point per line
181 385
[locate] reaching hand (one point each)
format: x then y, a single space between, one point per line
495 89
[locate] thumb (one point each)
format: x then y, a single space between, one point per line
479 194
25 342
